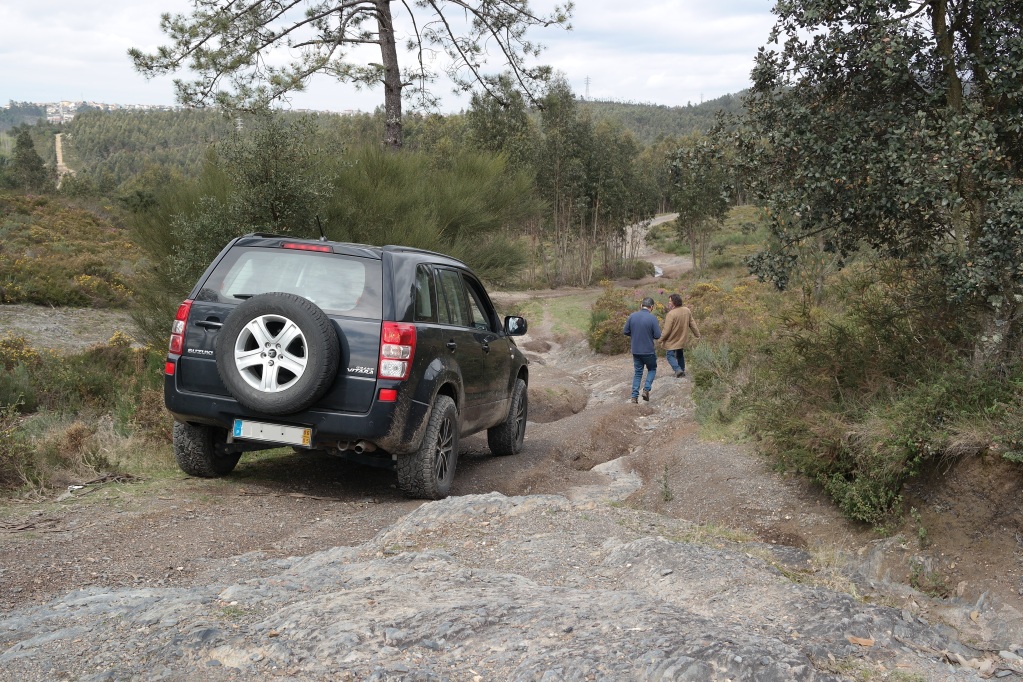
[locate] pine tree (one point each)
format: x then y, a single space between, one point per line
27 168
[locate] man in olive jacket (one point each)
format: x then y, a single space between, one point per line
677 325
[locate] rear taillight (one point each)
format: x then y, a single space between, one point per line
177 339
397 348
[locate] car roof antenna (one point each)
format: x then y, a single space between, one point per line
323 235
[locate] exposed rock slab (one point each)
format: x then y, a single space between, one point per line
488 587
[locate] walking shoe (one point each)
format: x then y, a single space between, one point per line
645 394
634 401
680 373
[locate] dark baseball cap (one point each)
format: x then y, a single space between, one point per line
648 302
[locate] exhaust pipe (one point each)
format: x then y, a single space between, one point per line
364 446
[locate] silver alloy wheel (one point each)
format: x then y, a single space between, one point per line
271 353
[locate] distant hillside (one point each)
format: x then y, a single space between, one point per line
58 252
17 113
115 146
111 147
650 122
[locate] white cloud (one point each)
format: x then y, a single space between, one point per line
669 51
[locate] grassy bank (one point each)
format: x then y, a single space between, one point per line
72 416
54 252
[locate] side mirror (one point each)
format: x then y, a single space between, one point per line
514 325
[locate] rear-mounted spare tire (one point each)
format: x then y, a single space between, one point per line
277 353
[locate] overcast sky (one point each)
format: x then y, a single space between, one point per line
663 52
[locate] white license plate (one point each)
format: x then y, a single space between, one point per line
272 433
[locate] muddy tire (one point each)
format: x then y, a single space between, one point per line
277 353
506 438
200 451
428 473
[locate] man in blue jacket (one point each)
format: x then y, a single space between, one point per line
643 329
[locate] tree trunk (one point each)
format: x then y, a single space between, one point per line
1000 338
693 248
393 137
946 49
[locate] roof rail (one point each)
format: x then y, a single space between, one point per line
412 249
269 235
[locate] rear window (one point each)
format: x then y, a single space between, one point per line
340 285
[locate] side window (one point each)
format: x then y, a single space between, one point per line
453 307
480 319
424 295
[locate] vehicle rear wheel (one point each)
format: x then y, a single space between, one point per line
200 450
277 353
429 472
506 438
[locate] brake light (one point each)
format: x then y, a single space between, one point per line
177 339
322 248
397 348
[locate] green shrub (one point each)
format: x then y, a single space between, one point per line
95 380
17 389
55 253
15 454
77 410
468 205
14 351
607 319
664 237
862 393
16 385
638 269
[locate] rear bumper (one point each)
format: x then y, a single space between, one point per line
395 427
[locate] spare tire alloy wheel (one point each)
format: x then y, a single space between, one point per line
277 353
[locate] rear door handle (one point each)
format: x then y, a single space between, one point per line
451 345
485 347
209 324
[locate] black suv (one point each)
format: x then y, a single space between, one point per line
385 355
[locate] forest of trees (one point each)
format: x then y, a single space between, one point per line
653 122
19 113
588 162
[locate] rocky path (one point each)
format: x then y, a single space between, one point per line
587 584
489 587
617 546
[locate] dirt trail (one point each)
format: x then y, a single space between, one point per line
584 440
962 532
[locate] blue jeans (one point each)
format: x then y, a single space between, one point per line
677 360
639 362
